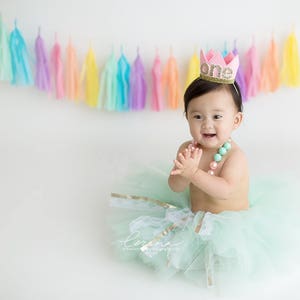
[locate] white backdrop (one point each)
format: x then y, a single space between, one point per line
59 160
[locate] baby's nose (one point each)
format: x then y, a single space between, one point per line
207 123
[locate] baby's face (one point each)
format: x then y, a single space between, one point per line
212 118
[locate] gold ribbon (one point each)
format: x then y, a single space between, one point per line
158 237
133 197
199 225
155 201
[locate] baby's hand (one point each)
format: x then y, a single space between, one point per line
187 163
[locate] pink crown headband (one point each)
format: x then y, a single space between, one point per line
215 68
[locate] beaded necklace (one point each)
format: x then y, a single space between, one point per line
218 157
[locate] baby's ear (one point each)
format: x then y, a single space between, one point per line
237 120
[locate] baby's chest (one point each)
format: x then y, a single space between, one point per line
208 163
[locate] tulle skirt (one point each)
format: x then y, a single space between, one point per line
156 226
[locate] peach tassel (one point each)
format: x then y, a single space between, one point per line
72 74
171 82
270 79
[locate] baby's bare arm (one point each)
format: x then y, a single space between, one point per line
222 186
178 183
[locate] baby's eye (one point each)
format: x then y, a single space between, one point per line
198 117
217 117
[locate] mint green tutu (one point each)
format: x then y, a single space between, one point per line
156 226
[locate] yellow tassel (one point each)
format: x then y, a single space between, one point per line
290 73
90 70
193 70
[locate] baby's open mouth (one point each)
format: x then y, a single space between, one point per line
209 135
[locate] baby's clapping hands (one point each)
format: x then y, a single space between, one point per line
187 162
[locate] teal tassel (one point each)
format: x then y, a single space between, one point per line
108 85
5 59
21 71
123 85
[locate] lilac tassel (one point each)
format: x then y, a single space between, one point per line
240 78
138 88
42 77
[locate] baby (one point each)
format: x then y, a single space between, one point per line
219 234
212 165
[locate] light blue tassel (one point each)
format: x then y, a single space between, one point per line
123 76
5 60
21 72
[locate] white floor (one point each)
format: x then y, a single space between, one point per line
58 162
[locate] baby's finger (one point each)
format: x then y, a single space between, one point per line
195 153
187 153
181 157
176 172
198 153
178 164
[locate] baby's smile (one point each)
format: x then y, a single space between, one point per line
208 135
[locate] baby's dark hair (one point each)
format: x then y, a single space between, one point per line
200 87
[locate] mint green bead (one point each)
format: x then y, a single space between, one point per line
222 150
217 157
227 146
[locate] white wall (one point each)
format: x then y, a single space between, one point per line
58 160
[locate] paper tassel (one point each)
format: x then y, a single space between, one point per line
57 70
90 73
5 59
108 84
73 90
270 79
171 81
225 50
240 77
42 76
252 72
123 77
290 74
138 87
193 70
21 72
157 101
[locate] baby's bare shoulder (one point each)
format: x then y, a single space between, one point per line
237 153
184 146
236 159
235 166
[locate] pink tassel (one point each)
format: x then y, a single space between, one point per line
252 72
157 99
42 78
57 68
